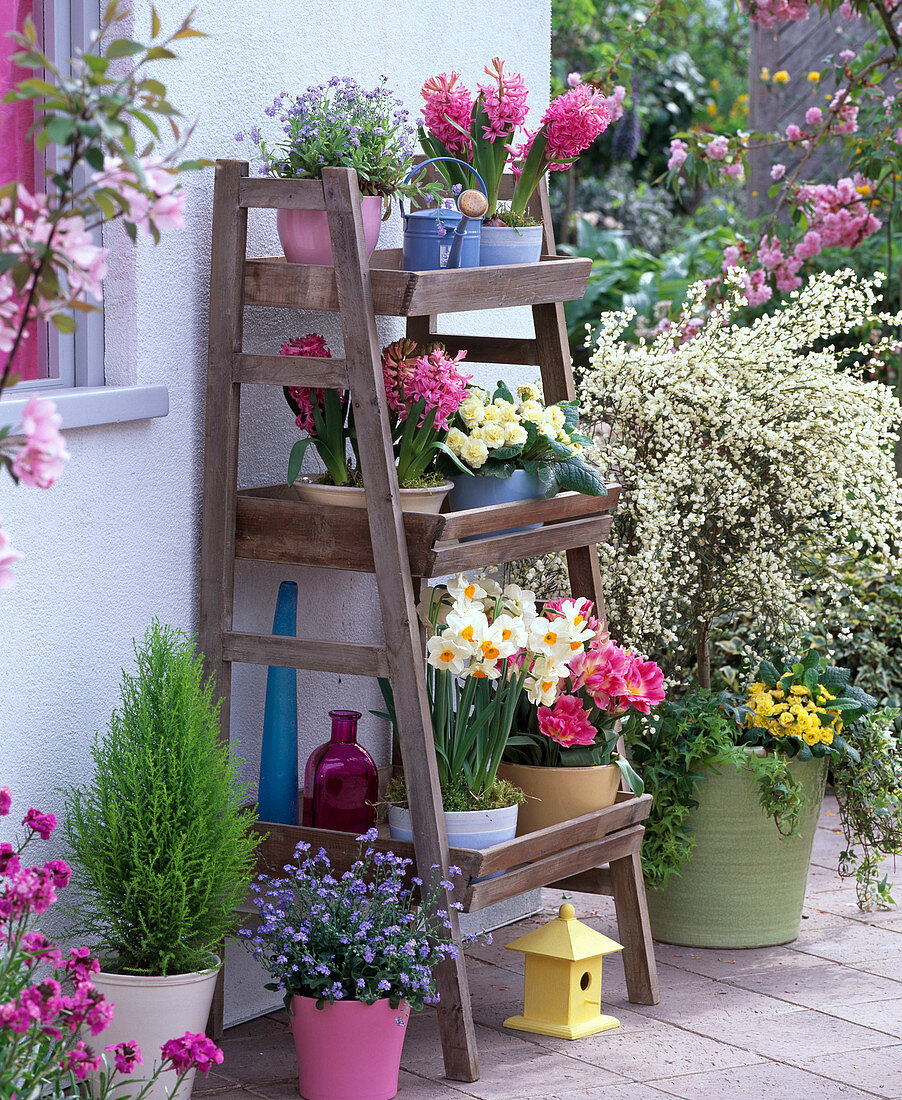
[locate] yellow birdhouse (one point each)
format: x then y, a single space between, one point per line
563 979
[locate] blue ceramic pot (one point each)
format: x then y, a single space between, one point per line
499 244
474 491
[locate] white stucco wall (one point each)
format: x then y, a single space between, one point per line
116 541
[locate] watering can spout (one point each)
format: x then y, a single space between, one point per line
473 206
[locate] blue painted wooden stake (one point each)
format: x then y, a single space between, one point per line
278 795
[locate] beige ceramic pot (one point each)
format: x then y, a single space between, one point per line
554 795
345 496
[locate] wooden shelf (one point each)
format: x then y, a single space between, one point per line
520 864
273 525
272 281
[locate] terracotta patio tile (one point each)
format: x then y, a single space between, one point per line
765 1081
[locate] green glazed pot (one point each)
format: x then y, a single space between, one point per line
744 884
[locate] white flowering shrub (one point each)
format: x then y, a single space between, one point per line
747 455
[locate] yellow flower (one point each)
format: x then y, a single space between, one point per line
764 706
456 439
507 412
471 411
528 392
711 108
826 735
814 77
781 77
491 415
715 84
786 719
515 433
811 737
764 74
494 435
531 409
557 416
799 689
474 452
864 189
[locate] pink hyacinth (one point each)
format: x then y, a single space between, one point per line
503 100
644 685
572 122
192 1051
447 102
312 346
40 461
437 381
567 722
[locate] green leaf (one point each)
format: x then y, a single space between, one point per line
155 24
157 53
123 47
502 391
59 129
575 476
63 322
296 459
767 674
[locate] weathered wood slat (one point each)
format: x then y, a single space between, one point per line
271 281
542 871
558 838
597 880
271 649
290 370
281 841
476 521
518 351
458 558
275 527
281 194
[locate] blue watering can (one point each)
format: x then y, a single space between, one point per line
439 237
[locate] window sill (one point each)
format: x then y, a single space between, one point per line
89 405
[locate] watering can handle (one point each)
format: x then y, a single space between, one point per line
417 168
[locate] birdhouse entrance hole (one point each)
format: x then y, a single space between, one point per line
585 981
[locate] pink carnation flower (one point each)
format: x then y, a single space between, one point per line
567 722
447 102
503 100
40 461
192 1051
43 824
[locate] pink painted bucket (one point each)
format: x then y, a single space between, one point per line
305 233
348 1050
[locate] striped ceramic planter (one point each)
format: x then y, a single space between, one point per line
744 885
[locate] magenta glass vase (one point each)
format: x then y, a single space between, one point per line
340 781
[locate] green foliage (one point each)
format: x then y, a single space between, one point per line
162 850
670 747
457 795
869 794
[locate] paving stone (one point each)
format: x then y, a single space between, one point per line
853 940
802 1032
494 1015
215 1082
232 1092
816 984
879 1071
261 1058
885 1016
765 1081
687 998
513 1068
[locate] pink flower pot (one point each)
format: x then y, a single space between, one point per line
348 1050
305 233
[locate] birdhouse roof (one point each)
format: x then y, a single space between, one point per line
565 938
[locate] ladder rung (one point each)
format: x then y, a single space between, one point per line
265 649
284 194
290 370
491 349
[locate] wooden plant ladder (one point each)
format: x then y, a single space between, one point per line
269 523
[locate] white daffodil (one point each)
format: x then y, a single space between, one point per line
578 628
434 603
464 591
482 670
550 638
468 626
442 651
519 601
542 683
513 633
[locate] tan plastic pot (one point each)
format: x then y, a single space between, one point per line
347 496
558 794
151 1011
744 884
